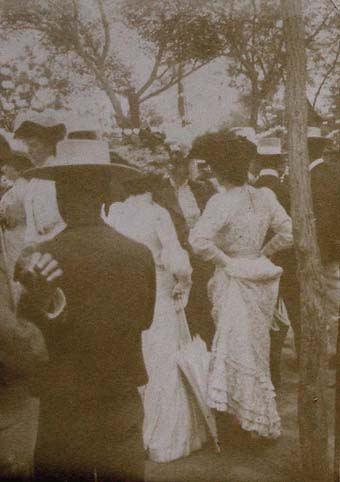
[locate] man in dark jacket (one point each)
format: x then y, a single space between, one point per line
270 159
325 182
22 354
91 417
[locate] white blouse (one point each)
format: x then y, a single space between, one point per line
235 223
144 221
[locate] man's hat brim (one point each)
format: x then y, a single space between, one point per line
118 172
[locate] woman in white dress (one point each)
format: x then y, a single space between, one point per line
244 288
173 426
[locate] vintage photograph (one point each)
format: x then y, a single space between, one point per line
170 240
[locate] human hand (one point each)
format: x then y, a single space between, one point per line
39 274
178 291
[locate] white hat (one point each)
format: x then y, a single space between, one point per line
314 133
269 146
77 156
247 132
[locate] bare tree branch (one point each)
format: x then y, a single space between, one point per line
326 76
318 29
153 74
173 81
106 28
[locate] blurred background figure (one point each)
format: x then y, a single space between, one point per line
12 211
41 133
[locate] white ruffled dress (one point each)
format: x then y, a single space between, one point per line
173 425
243 291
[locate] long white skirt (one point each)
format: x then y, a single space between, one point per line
239 381
173 424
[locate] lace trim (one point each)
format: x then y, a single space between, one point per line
246 394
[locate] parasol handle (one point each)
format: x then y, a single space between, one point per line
185 335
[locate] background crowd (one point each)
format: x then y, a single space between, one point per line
94 307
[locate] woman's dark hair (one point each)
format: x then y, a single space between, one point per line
20 161
229 156
50 135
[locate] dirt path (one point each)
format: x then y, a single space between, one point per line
238 462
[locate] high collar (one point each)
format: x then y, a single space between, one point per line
315 163
269 172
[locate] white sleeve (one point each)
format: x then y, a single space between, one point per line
173 256
202 236
281 224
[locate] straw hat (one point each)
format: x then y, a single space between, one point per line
269 146
75 157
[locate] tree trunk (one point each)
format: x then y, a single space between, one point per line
114 99
255 103
180 97
134 108
311 403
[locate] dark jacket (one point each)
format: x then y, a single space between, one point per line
279 188
166 197
325 180
96 360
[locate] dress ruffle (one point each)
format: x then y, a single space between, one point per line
239 381
245 394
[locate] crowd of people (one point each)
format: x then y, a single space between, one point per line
110 268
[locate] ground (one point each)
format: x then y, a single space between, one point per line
238 462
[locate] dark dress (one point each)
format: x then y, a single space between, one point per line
91 413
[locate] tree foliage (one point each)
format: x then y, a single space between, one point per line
169 37
29 84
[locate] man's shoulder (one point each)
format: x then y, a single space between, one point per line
97 239
324 175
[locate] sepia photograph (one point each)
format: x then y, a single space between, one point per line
170 240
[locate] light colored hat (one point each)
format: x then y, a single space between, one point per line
314 133
247 132
77 156
269 146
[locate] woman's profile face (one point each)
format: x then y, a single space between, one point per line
37 150
10 172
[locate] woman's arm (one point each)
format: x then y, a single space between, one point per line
202 236
281 224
